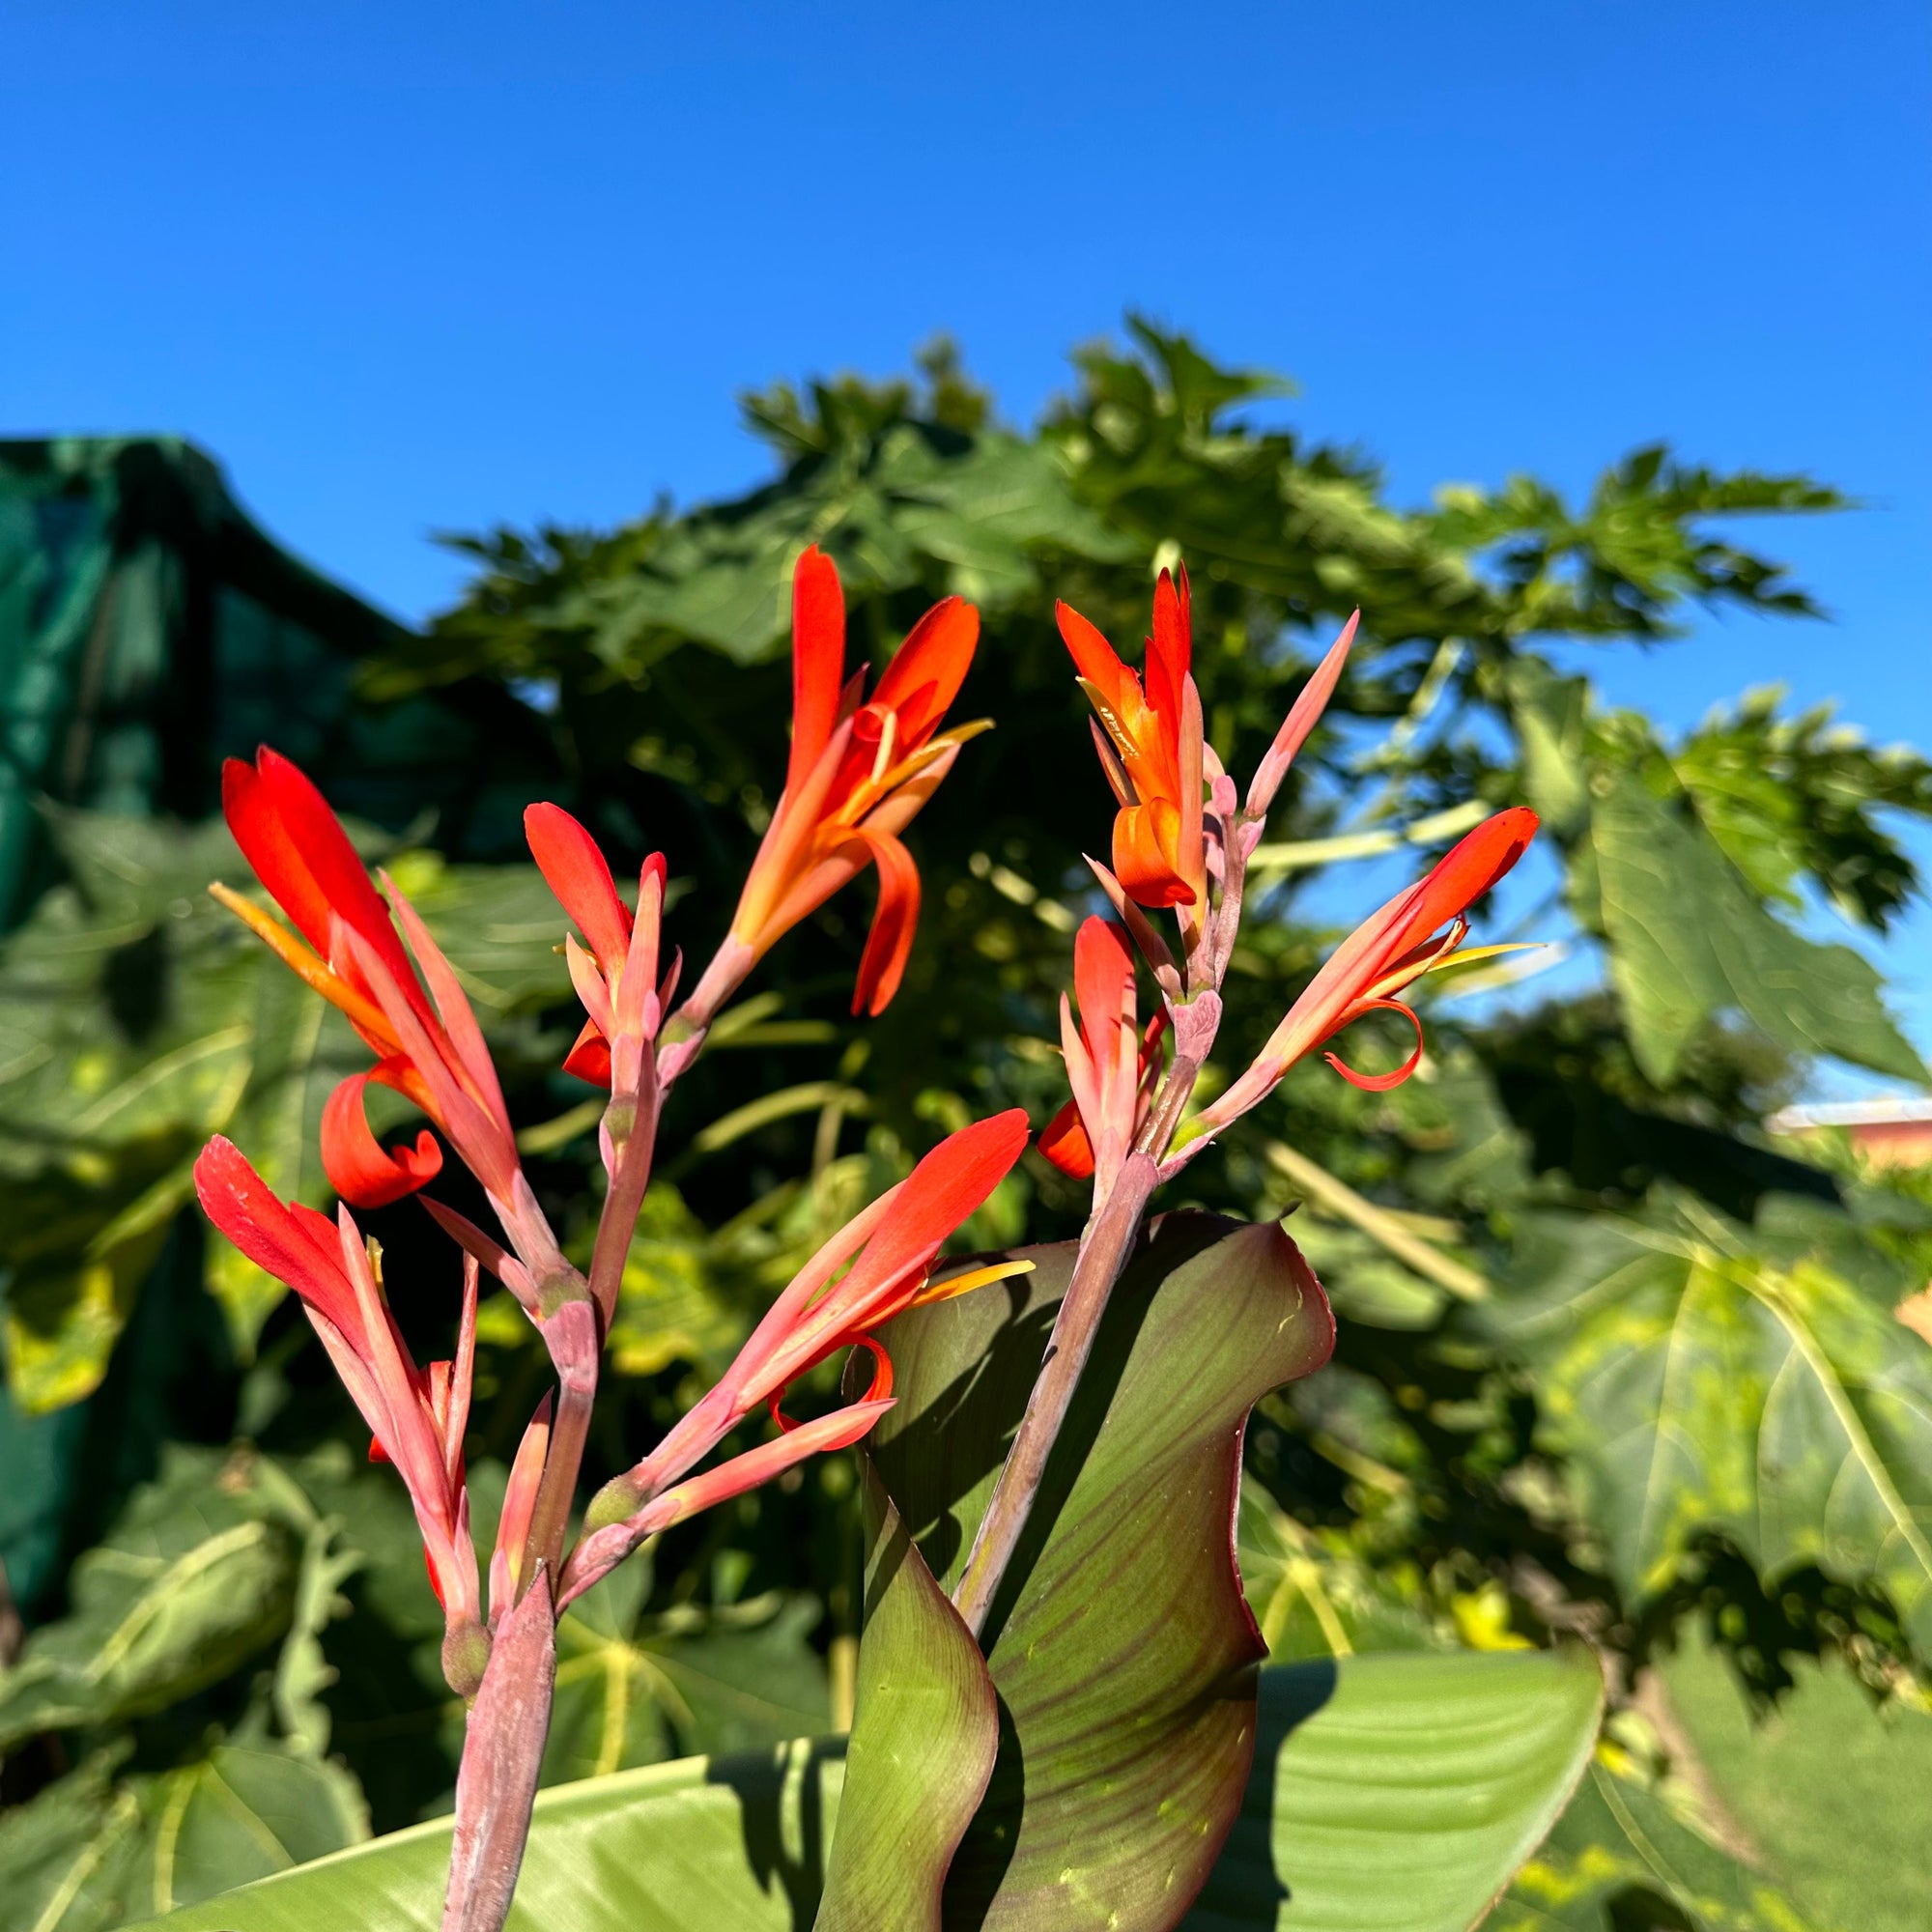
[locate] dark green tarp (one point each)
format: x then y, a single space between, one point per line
148 630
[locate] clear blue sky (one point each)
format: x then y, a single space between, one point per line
406 267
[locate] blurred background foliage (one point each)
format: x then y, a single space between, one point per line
1615 1362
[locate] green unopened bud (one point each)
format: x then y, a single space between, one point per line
618 1500
466 1656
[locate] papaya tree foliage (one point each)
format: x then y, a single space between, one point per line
1612 1360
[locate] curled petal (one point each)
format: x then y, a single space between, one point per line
577 872
1380 1083
888 944
881 1387
357 1166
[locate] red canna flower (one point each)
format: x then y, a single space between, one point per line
1391 948
427 1042
858 774
417 1417
1150 741
1113 1067
891 1247
616 978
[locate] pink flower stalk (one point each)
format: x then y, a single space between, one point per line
891 1247
1418 931
1112 1066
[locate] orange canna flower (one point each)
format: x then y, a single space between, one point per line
858 774
427 1042
1150 741
617 977
1112 1066
891 1247
1388 951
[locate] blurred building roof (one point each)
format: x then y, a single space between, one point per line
1893 1133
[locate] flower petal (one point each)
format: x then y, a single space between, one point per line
298 846
1064 1142
927 669
576 871
1170 650
294 1243
888 944
952 1182
357 1166
1098 661
1380 1083
589 1057
817 659
1146 838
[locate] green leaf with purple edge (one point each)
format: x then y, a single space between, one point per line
924 1739
1121 1646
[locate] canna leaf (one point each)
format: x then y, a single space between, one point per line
1113 1786
1394 1794
923 1745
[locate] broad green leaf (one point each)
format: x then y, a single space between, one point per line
1623 1855
1313 1596
197 1576
1390 1794
1705 1377
703 1845
1121 1647
634 1689
1688 940
90 1851
924 1740
1398 1794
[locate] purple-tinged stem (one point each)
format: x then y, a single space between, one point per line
1105 1248
502 1749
